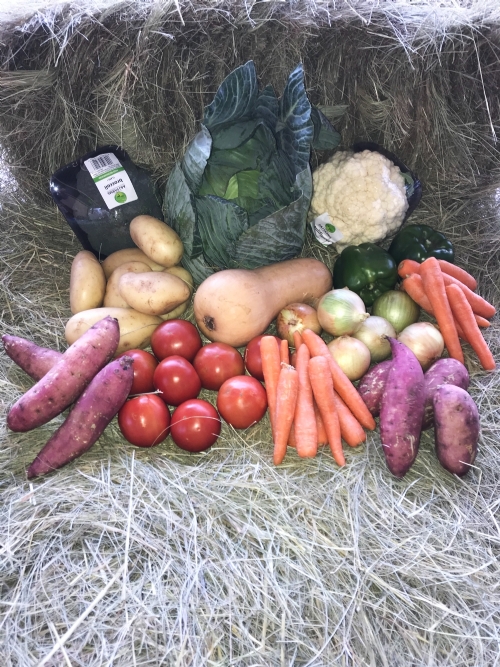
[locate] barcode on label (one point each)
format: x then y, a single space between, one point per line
101 161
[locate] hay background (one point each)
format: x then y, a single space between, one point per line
130 557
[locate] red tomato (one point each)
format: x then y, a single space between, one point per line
144 367
176 337
177 379
242 401
195 425
253 361
216 362
144 420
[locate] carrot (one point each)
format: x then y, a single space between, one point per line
292 441
286 400
284 352
343 386
322 436
271 366
293 359
409 266
462 311
458 273
297 339
305 422
350 429
322 386
433 283
482 321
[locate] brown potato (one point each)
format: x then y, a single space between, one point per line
153 293
135 328
157 240
112 298
176 312
128 255
183 274
87 282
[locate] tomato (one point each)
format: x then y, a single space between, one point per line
177 379
195 425
242 401
253 361
216 362
178 337
144 420
144 367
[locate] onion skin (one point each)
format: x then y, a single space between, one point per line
352 356
373 333
425 341
296 317
398 308
341 312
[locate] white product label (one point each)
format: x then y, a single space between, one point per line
325 231
111 180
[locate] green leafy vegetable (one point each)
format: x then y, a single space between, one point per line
239 197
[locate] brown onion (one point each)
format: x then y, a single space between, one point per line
296 317
425 341
352 356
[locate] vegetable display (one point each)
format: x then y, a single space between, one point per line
240 196
366 269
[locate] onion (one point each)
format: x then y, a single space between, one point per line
425 341
373 333
397 308
341 312
296 317
352 356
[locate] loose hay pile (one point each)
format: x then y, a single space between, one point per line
131 557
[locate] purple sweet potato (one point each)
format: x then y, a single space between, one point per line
371 386
456 428
65 381
443 371
36 361
90 415
402 409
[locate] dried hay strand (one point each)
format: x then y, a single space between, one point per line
156 557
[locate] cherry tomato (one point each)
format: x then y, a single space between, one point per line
144 367
144 420
177 379
216 362
195 425
178 337
253 361
242 401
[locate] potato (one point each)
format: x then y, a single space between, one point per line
176 312
112 298
128 255
183 274
135 328
153 293
87 282
157 240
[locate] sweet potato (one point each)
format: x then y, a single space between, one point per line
371 386
90 415
36 361
402 409
65 381
456 428
443 371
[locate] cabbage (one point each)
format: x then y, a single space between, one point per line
239 197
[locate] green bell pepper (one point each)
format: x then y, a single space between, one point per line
418 242
366 269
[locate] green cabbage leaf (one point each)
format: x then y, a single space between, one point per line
239 197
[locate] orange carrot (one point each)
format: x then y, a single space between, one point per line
458 273
343 386
297 339
482 321
462 311
284 352
286 400
271 366
292 442
433 283
350 429
322 436
304 421
407 267
322 386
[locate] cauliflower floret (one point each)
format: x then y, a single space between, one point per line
363 194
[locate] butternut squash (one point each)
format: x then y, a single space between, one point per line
234 305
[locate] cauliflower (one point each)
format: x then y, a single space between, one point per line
363 196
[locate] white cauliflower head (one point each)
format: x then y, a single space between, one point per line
362 193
